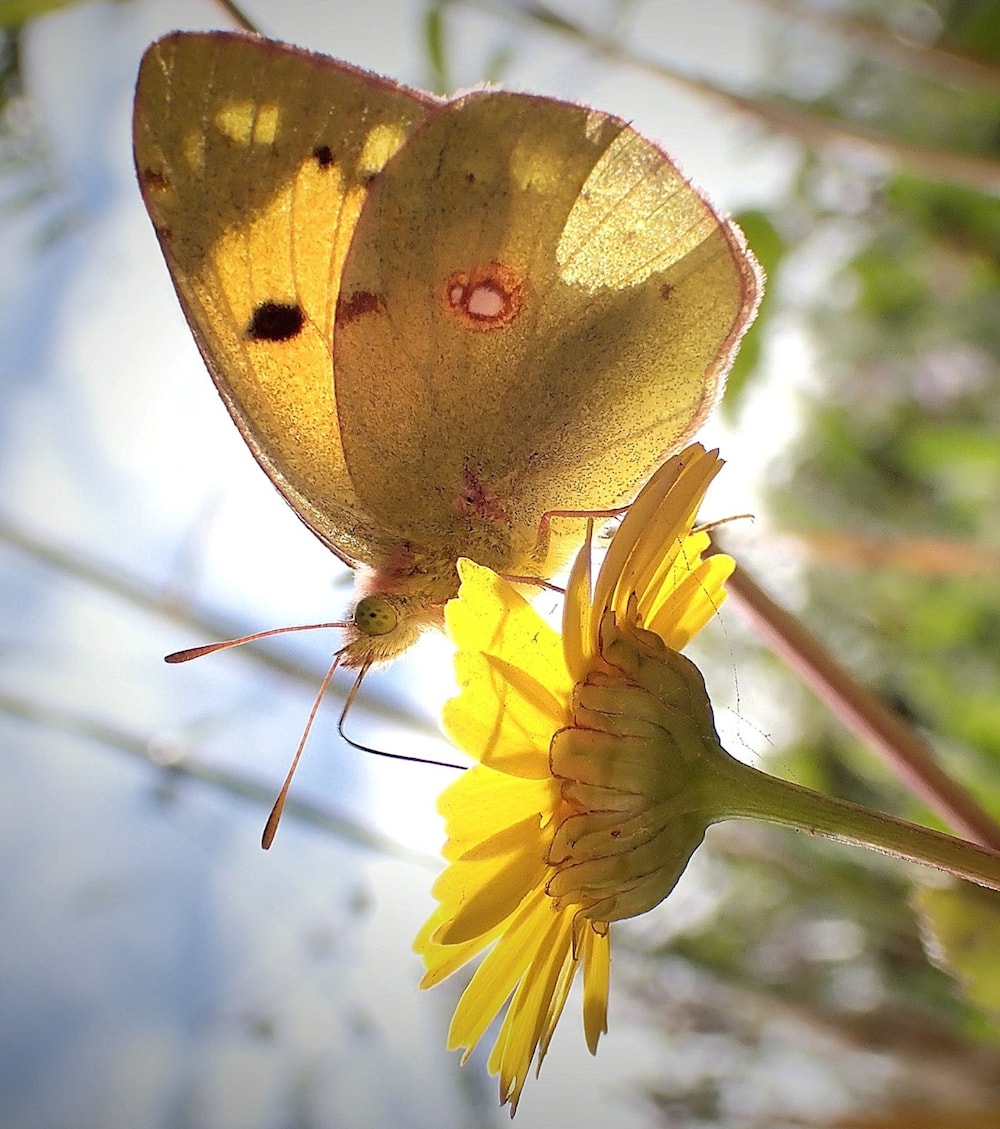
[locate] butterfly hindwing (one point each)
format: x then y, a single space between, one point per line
540 310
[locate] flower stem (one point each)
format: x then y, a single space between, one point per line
741 792
909 756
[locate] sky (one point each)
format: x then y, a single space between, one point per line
157 968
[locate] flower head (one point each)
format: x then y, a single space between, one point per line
583 807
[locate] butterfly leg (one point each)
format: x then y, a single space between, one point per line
545 524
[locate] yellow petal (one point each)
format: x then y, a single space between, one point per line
502 716
491 616
442 960
596 957
482 801
640 514
491 880
567 974
530 712
653 530
665 552
522 1026
501 969
680 612
577 608
669 570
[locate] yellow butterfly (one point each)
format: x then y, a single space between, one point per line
438 324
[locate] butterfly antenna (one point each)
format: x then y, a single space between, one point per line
271 827
382 752
210 648
708 526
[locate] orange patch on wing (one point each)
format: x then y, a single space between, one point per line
487 297
477 500
360 302
158 181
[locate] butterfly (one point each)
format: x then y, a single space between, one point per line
444 328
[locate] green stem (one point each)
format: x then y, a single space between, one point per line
739 791
867 716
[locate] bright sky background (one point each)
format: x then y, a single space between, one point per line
159 969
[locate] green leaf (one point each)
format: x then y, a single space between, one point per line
14 13
766 242
434 44
961 932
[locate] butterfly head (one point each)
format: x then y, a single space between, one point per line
384 625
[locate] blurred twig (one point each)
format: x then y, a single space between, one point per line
238 16
921 556
260 793
942 63
813 129
73 562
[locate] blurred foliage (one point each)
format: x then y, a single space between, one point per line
962 931
15 13
27 181
443 76
901 437
768 245
899 447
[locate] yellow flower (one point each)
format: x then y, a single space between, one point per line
582 808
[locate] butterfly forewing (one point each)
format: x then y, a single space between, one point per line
255 160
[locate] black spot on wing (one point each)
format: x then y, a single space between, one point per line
276 321
323 156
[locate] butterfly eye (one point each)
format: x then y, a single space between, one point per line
374 615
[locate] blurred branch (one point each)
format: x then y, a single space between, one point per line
864 714
920 556
813 129
75 563
238 16
90 572
169 761
942 63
